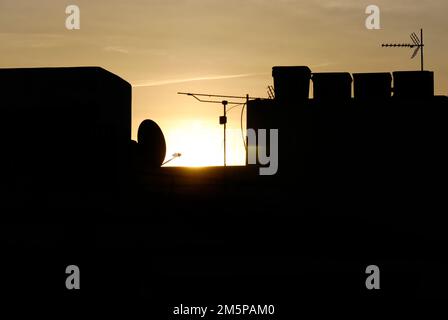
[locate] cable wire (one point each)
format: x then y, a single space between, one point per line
242 131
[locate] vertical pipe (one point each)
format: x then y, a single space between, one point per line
421 53
225 122
247 146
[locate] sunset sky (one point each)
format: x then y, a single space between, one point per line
219 47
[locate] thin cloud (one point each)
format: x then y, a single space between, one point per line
174 81
322 64
116 49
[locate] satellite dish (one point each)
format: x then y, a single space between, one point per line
151 143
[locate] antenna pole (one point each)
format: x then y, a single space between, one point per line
421 52
416 43
222 119
225 125
224 103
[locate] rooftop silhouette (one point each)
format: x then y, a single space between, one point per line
358 183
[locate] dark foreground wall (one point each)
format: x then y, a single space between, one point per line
360 183
63 128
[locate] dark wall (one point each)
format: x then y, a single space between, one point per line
63 127
374 150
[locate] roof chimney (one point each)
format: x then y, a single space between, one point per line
332 86
291 84
372 86
413 84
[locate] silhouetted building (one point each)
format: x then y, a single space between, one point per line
64 127
358 183
334 140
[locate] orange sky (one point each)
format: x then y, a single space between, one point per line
220 47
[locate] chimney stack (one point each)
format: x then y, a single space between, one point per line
332 86
291 84
372 86
413 84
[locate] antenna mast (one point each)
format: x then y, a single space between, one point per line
416 43
223 118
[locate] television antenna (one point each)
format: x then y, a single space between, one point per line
225 103
416 43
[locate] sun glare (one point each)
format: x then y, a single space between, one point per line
201 144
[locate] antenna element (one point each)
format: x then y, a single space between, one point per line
416 42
